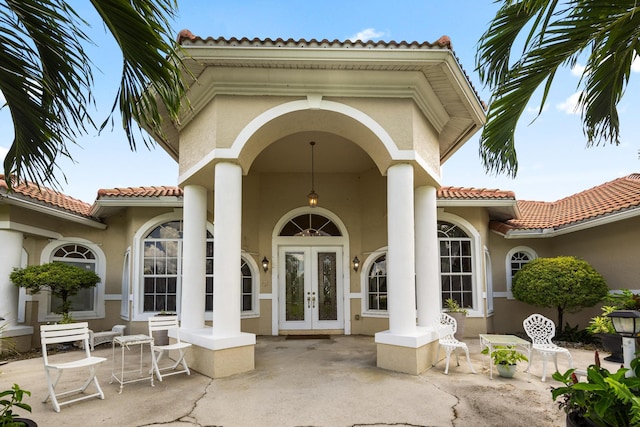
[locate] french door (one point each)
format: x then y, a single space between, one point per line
311 287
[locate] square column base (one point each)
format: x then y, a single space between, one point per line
407 354
219 357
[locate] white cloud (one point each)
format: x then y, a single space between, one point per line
570 105
577 70
3 153
367 34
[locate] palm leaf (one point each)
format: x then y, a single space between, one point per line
559 32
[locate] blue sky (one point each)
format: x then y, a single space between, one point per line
554 162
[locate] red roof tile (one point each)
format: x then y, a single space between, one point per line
160 191
474 193
29 190
615 196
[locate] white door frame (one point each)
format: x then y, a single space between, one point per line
278 241
311 293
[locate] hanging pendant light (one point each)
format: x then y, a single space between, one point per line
312 196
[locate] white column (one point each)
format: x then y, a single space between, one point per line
401 252
10 257
427 256
194 256
226 254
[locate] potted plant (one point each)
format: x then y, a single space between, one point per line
452 308
505 358
605 399
8 400
602 327
63 280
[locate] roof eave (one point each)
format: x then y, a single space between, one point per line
53 211
103 206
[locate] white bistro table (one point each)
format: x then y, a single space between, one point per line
491 340
127 341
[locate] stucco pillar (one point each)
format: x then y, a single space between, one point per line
405 347
401 251
10 257
224 349
427 254
226 253
194 256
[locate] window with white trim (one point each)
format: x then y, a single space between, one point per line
162 271
377 285
516 259
456 264
80 256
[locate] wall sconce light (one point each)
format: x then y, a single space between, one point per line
265 264
356 264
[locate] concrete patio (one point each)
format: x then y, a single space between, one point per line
311 382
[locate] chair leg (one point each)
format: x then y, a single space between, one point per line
457 357
570 360
446 369
51 386
466 350
555 360
544 367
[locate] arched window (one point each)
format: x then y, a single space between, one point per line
456 264
377 285
80 256
162 271
516 259
310 225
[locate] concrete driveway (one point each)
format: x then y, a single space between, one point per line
312 382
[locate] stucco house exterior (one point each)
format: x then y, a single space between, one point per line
377 255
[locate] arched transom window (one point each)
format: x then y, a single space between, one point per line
456 266
310 225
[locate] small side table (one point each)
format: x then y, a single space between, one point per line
127 341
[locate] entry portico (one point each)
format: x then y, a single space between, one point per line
384 117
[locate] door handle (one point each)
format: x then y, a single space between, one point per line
308 300
313 299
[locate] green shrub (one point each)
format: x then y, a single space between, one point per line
565 283
63 280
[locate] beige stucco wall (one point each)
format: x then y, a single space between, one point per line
611 249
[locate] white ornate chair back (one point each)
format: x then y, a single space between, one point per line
540 329
451 326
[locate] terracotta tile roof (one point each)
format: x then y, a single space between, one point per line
187 38
443 42
474 193
611 197
43 195
160 191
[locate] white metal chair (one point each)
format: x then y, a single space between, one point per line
447 327
167 323
541 330
71 332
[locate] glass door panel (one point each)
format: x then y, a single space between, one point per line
327 286
311 291
294 286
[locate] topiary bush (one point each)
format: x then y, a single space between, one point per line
62 279
565 283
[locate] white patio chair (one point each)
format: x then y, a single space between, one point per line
167 323
71 332
447 327
541 330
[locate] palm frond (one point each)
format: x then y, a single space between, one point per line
558 33
151 67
